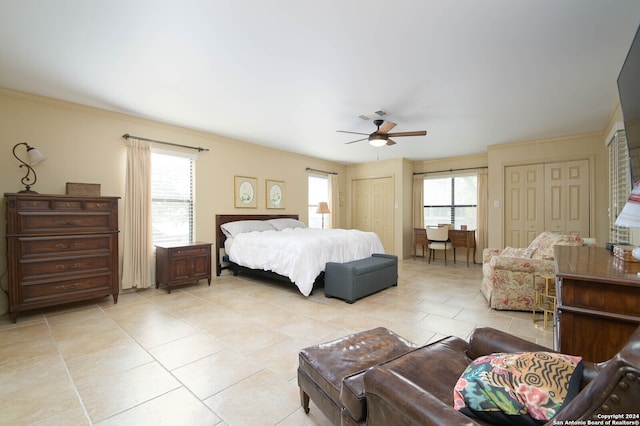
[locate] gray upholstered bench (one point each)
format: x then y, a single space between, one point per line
353 280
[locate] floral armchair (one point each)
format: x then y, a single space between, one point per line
508 274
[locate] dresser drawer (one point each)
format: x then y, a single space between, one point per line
49 267
189 251
22 204
64 204
58 246
52 223
460 238
64 288
100 205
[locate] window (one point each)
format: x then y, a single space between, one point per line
619 181
452 200
318 191
172 197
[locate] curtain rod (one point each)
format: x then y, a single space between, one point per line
450 170
199 149
309 169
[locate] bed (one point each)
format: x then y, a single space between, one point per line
282 247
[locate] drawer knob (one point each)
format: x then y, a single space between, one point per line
68 246
72 266
66 287
66 222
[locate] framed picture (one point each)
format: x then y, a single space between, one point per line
275 194
245 192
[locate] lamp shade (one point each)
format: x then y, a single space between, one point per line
630 214
35 156
323 208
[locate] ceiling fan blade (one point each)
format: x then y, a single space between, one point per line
353 133
417 133
386 127
359 140
390 142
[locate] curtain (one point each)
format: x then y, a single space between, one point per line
482 236
334 202
137 264
418 201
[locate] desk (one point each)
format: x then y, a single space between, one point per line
598 299
463 238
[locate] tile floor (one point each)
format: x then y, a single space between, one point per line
219 355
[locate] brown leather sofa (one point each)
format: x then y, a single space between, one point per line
417 388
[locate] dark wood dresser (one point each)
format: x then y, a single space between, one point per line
598 302
181 264
60 249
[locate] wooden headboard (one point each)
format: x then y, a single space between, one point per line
224 218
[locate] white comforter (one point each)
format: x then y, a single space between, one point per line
301 253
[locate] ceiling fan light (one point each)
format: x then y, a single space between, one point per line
377 140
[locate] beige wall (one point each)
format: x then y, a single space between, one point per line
589 147
85 145
444 167
454 163
384 168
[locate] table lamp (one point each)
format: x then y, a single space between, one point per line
323 208
34 157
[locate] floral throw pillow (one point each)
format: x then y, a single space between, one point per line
543 243
517 252
526 388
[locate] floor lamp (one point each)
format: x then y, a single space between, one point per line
323 209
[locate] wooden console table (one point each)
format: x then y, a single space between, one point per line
598 302
462 238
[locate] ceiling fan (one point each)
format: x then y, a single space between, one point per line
381 136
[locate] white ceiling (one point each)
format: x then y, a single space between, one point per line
289 73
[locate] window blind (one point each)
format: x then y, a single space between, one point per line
172 201
619 184
452 200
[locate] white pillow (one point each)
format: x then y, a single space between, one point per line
231 229
284 223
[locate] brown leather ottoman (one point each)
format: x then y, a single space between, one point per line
331 374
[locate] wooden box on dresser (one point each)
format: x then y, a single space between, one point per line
60 249
598 304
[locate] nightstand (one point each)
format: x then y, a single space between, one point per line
182 264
